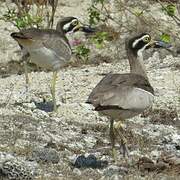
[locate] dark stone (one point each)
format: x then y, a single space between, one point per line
177 147
89 162
80 161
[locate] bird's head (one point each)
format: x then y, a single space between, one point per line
73 24
144 41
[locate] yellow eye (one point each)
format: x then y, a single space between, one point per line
146 39
74 23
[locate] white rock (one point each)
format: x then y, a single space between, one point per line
77 171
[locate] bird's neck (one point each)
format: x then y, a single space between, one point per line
60 29
136 64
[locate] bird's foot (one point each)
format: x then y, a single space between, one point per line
123 148
118 131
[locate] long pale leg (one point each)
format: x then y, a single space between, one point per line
53 90
26 76
25 59
118 130
112 139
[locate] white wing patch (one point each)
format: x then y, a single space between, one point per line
138 99
46 58
129 98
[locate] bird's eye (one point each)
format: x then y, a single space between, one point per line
74 23
146 39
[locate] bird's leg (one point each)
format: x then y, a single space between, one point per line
118 130
26 76
53 89
112 139
25 58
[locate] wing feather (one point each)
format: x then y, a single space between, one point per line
125 91
50 39
59 46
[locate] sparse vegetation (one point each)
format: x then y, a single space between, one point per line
82 52
25 20
25 16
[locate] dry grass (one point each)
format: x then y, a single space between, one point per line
162 116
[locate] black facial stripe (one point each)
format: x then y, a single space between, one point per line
139 45
64 22
69 28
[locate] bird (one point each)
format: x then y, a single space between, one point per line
123 96
49 48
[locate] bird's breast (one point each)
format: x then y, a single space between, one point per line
46 58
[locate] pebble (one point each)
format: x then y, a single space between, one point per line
113 169
47 155
14 169
77 171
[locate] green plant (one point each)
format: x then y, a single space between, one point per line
25 16
170 9
82 52
99 38
94 13
165 37
25 20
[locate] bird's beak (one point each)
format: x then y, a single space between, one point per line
87 29
159 44
84 28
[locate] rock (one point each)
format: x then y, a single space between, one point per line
160 166
30 106
155 153
47 155
90 141
170 159
89 162
40 113
113 169
77 171
146 164
115 177
14 169
80 161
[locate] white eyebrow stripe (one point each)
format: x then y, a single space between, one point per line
67 25
137 40
74 20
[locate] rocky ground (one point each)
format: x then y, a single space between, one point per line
44 145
